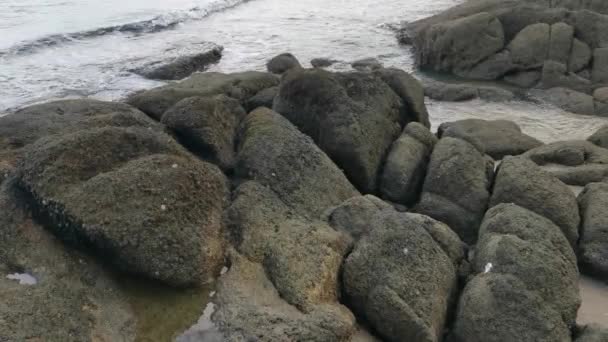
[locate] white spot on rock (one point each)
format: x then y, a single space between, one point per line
224 270
211 294
406 251
174 166
163 207
23 278
273 174
488 267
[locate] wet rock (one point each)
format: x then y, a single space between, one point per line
406 164
571 100
594 230
207 126
524 79
69 296
240 86
458 45
355 215
570 153
274 153
498 138
487 313
522 182
530 47
491 68
366 64
456 187
411 92
354 117
399 279
263 98
599 70
464 92
519 242
182 66
283 62
592 333
556 75
322 62
134 195
600 137
580 55
250 308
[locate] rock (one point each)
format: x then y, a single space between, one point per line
487 313
600 137
250 308
580 55
497 138
322 62
68 297
590 27
492 68
180 67
274 153
460 44
592 333
463 92
355 215
530 47
134 195
560 42
283 62
571 100
456 187
523 183
555 75
601 94
400 280
264 98
240 86
579 175
354 117
599 70
570 153
519 242
405 166
411 92
594 230
207 126
523 79
366 64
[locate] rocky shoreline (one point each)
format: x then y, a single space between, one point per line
318 205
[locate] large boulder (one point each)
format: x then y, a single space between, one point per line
530 47
354 117
207 126
405 166
180 67
411 92
134 195
240 86
49 292
522 182
456 187
274 153
455 92
400 279
281 63
599 70
580 55
497 138
593 245
600 137
560 42
264 98
355 215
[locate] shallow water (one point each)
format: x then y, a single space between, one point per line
594 308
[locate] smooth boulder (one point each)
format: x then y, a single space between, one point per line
600 137
593 244
281 63
182 66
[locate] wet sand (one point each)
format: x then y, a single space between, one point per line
594 308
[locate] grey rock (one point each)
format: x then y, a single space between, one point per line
555 75
600 137
463 92
283 62
367 64
523 79
592 333
240 86
599 70
405 166
571 100
560 42
570 153
456 187
411 92
264 98
601 94
594 230
492 68
522 182
355 215
182 66
498 138
580 55
207 126
530 47
322 62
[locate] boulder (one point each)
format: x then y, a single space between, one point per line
580 55
600 137
599 70
579 175
180 67
366 64
134 195
594 230
592 333
264 98
240 86
569 153
523 79
571 100
463 92
207 126
556 75
411 92
497 138
460 44
355 215
487 312
522 182
322 62
456 187
601 94
492 68
354 117
283 62
49 292
405 166
530 47
560 42
276 154
519 242
399 279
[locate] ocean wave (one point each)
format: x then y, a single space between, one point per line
159 23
